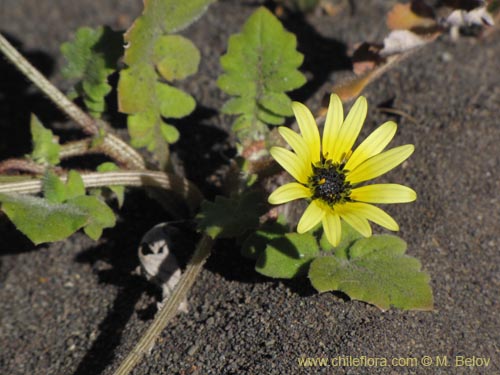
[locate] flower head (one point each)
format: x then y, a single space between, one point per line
330 174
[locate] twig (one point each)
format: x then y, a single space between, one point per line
24 165
77 148
112 145
168 311
67 106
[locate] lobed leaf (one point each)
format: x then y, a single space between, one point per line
376 271
256 243
98 214
288 256
40 220
348 237
64 209
91 59
54 190
46 147
154 57
259 67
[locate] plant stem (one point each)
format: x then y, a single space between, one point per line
77 148
113 146
74 112
168 311
144 178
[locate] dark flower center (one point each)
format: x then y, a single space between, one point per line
328 183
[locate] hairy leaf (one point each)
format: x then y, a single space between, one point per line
255 244
348 237
46 147
376 271
91 58
64 209
99 215
231 217
153 56
288 256
56 191
259 67
40 220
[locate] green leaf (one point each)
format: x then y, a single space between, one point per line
255 244
348 237
54 190
91 58
268 117
64 209
74 185
170 133
259 67
288 256
99 215
237 105
231 217
176 57
118 190
46 147
174 103
40 220
376 271
277 103
153 56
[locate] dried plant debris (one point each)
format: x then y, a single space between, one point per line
413 25
158 263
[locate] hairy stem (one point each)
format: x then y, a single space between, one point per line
142 178
77 148
113 146
24 165
66 105
168 311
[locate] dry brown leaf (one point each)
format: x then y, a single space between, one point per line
365 58
410 16
352 88
332 9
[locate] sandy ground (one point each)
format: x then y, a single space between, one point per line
75 307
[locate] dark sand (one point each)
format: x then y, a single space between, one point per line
75 307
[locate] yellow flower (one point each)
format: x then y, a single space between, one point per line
329 173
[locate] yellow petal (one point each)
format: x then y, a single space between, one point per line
373 213
333 122
297 143
290 162
289 192
354 219
350 129
311 217
383 193
372 145
332 228
308 129
379 164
